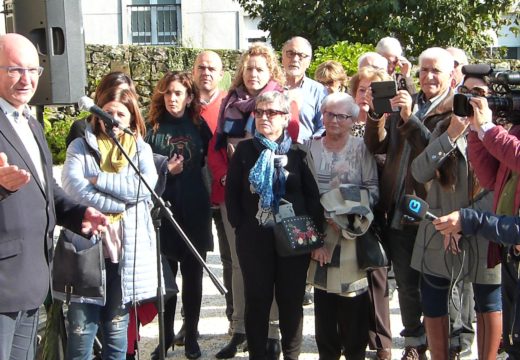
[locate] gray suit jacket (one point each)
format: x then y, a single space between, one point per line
27 220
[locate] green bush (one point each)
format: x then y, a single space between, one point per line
56 127
344 52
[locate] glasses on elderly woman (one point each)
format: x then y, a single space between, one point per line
270 113
475 91
339 117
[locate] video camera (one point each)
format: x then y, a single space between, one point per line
505 86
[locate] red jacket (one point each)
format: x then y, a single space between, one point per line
218 165
493 159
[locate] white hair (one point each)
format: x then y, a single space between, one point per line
389 46
372 59
343 99
444 59
458 55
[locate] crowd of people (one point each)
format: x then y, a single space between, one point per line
234 156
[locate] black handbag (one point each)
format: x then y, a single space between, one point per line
370 252
296 235
78 268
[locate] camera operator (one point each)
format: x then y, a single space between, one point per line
444 165
493 152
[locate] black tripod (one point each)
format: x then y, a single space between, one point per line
164 211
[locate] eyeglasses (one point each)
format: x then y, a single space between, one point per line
270 113
18 72
339 117
292 54
475 91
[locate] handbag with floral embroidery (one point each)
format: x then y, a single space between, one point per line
296 235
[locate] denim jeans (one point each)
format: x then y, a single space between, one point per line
84 319
18 335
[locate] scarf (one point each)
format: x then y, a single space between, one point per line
112 160
267 176
237 106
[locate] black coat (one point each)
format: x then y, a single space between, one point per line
27 220
300 189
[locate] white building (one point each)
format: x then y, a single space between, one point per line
192 23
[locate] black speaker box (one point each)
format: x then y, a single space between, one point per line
56 29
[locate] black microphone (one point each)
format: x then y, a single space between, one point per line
87 104
477 69
417 208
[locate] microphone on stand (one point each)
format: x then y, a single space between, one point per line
417 208
87 104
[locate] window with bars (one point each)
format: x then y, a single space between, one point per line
155 22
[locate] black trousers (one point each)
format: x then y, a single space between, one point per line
191 272
341 322
264 272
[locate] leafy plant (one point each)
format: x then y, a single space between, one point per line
56 127
344 52
417 24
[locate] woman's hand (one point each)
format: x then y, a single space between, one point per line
481 112
175 164
458 126
321 255
93 180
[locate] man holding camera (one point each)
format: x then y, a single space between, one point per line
402 136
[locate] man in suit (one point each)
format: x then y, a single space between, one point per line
31 202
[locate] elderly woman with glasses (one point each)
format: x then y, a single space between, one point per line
341 303
263 170
258 71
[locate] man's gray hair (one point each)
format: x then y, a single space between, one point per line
444 59
459 55
276 97
341 98
389 46
298 37
372 59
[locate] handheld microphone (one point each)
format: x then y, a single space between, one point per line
417 208
87 104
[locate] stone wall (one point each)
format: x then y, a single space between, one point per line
145 64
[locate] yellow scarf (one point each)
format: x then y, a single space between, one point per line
113 161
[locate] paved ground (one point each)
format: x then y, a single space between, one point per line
213 326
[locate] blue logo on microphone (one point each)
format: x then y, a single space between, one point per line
415 206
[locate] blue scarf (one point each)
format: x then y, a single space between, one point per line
267 176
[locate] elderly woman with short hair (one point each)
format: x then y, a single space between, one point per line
341 303
263 170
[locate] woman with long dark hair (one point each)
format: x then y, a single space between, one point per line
178 132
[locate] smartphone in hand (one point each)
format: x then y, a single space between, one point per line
382 92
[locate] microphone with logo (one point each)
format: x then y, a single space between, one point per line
87 104
417 208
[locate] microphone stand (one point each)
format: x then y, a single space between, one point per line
167 213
